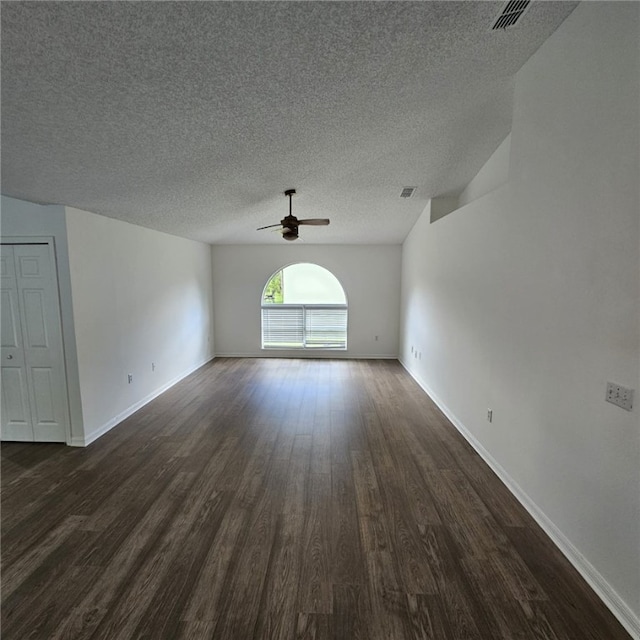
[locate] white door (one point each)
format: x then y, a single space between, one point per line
34 395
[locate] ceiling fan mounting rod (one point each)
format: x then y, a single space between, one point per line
290 193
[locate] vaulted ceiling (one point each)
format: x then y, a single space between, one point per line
193 117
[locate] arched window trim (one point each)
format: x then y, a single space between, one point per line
304 326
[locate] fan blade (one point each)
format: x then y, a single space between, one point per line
315 221
269 226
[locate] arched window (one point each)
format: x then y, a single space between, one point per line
304 307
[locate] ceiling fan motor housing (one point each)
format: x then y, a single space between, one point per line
290 227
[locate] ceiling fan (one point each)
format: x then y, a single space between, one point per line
289 224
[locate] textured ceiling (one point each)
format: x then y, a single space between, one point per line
193 117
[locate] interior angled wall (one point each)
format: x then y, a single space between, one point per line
142 306
526 301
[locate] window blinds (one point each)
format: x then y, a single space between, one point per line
304 326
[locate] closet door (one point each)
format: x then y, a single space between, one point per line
34 403
16 413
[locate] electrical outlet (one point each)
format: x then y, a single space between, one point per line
620 396
489 415
129 378
376 338
153 366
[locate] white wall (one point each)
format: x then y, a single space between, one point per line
369 275
139 297
23 220
527 301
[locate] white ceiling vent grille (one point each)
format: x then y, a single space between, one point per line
407 192
511 14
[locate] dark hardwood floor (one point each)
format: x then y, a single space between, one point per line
280 499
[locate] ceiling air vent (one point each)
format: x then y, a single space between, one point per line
510 14
407 192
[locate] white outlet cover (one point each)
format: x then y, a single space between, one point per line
620 396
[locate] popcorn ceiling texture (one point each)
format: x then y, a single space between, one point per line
193 117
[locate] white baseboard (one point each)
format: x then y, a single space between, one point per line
78 441
620 609
333 355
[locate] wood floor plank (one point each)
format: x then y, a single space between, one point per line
82 619
52 603
314 590
351 612
162 616
129 612
388 606
204 603
119 512
239 606
241 596
278 611
427 619
296 489
572 604
346 545
29 525
280 499
34 599
26 564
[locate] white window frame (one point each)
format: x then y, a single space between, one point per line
306 340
